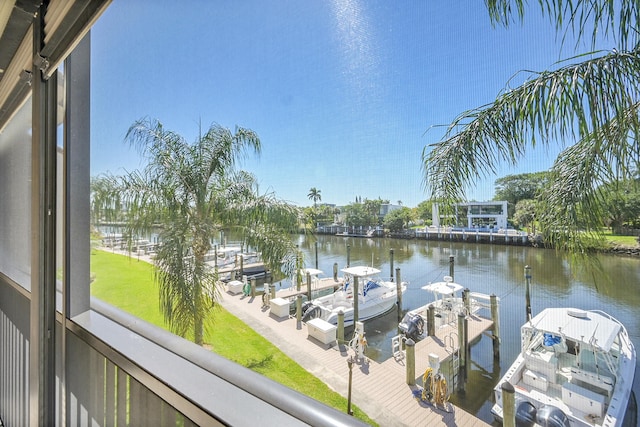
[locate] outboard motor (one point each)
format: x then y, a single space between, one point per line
525 413
551 416
412 326
311 311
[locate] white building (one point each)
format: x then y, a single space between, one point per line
474 215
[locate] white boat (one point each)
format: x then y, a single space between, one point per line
447 304
575 368
375 297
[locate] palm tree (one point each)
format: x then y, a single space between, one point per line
589 104
314 195
191 191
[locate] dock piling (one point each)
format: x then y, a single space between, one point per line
309 286
340 331
495 317
463 349
299 308
451 263
399 292
508 405
253 288
348 256
391 263
431 320
410 351
466 299
335 271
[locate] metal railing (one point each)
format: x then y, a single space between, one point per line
122 371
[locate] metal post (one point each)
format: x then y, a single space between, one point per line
391 263
350 364
451 263
508 405
410 350
495 317
355 300
527 276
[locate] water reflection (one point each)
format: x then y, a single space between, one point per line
611 284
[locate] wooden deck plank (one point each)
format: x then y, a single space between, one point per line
379 389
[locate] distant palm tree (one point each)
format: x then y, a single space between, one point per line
192 190
591 103
314 194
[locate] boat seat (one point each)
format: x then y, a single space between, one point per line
583 400
542 362
603 382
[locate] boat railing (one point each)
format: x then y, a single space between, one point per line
481 300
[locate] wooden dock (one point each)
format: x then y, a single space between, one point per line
379 389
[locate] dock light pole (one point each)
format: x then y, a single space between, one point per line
350 364
527 276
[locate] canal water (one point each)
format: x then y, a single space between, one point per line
611 284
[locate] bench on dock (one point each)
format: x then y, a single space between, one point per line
322 330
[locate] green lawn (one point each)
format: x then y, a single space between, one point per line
128 284
621 240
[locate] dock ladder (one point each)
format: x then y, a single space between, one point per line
396 347
454 361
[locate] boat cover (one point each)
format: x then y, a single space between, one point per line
591 329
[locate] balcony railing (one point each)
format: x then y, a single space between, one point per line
122 371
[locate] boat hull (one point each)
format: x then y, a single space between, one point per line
581 370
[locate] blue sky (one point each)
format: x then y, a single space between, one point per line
343 94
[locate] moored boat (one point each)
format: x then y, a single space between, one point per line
375 297
447 304
575 368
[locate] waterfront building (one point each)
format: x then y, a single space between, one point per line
473 215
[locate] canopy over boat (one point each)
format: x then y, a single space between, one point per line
360 271
443 288
311 271
581 326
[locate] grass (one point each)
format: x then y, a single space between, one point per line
630 241
127 283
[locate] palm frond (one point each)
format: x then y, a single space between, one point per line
567 104
587 18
